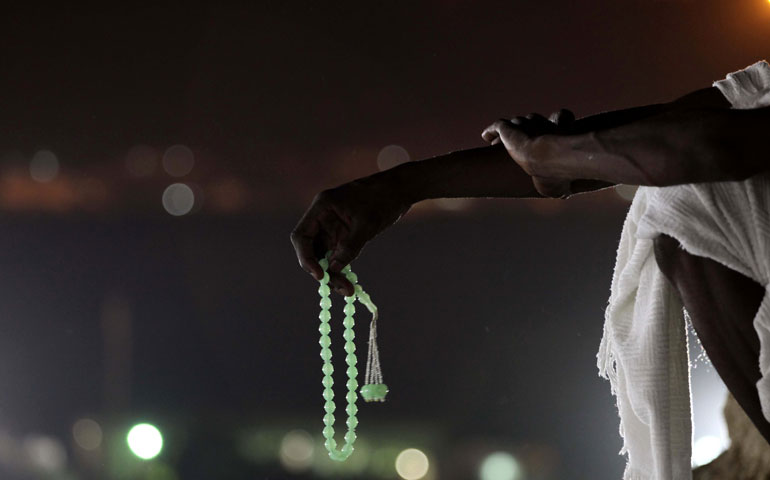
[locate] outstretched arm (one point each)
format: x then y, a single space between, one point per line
490 171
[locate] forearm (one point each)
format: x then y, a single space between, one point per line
690 145
490 171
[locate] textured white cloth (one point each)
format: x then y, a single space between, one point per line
644 349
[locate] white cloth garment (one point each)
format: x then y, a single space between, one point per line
644 349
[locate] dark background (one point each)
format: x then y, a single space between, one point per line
491 310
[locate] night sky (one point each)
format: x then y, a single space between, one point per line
491 310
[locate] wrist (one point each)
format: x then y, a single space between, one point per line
397 182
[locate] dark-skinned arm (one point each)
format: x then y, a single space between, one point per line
490 172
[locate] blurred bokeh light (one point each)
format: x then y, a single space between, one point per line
145 441
178 199
87 434
44 166
412 464
500 466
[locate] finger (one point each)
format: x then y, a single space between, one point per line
562 118
512 137
537 118
551 188
302 238
340 284
489 136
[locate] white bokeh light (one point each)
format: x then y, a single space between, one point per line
178 160
145 441
44 166
178 199
391 156
412 464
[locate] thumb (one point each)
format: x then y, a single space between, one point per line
348 248
552 187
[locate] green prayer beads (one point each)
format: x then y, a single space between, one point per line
370 392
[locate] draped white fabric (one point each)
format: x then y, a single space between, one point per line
644 348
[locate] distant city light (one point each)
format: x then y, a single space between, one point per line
45 452
178 160
412 464
296 452
391 156
178 199
44 166
500 466
87 434
706 449
626 192
145 441
142 160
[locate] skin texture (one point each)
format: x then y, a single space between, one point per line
722 304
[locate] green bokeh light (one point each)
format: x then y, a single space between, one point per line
500 466
145 441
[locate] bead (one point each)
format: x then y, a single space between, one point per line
328 419
352 372
330 407
330 444
352 384
328 394
326 303
325 279
351 397
328 432
351 409
352 277
325 328
338 456
349 322
347 449
350 437
324 262
350 347
328 381
358 289
325 341
328 368
374 392
324 290
351 360
349 335
326 354
325 315
349 309
345 270
352 422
